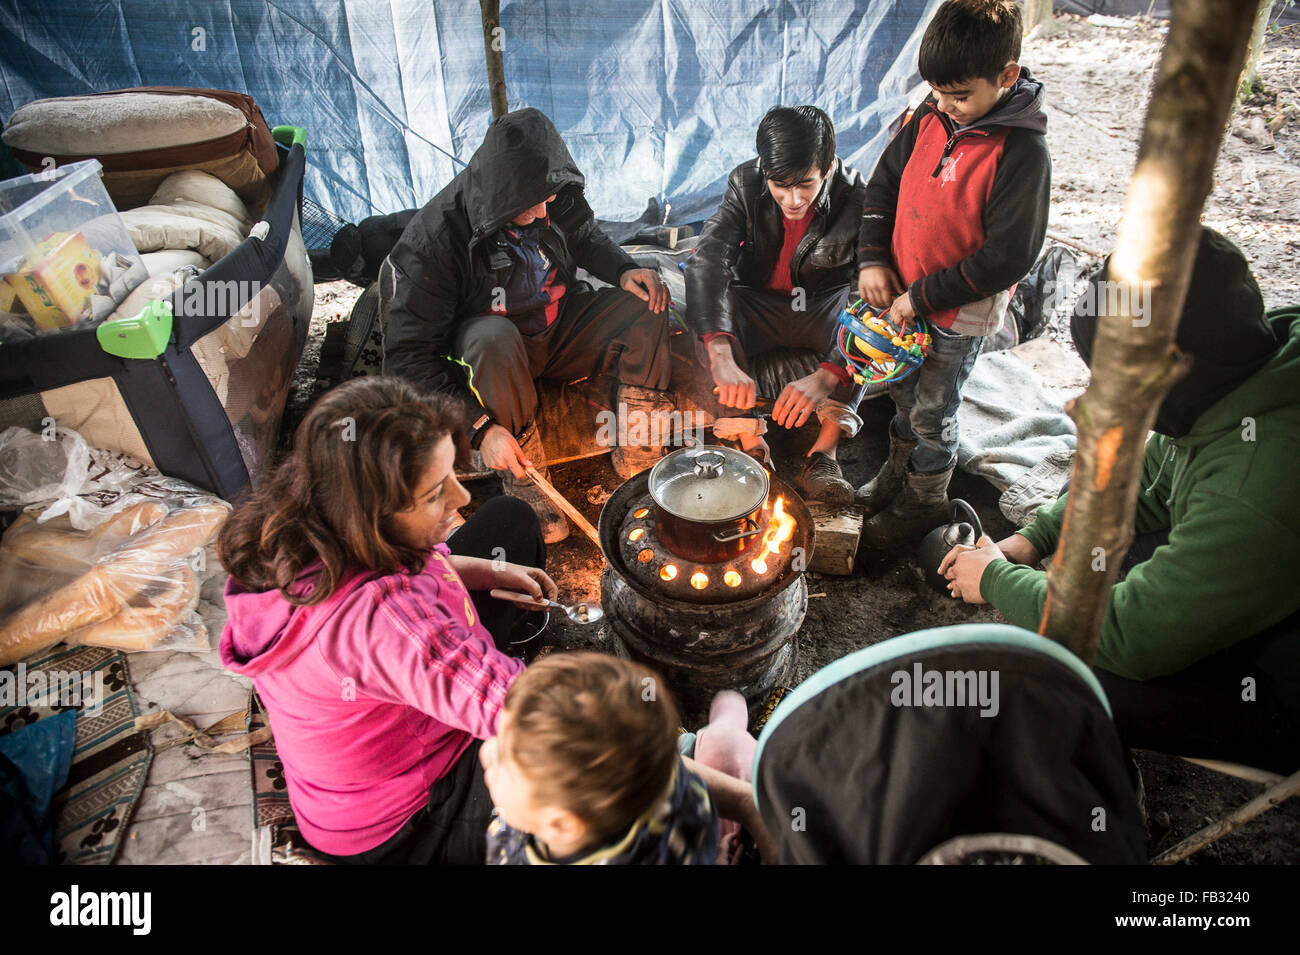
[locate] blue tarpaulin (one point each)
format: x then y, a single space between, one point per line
655 98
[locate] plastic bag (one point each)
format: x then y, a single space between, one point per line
109 553
1049 290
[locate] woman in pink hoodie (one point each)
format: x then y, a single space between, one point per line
371 641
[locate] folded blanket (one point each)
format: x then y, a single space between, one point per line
1013 427
189 210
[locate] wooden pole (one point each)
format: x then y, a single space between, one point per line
560 501
493 45
1134 359
1217 830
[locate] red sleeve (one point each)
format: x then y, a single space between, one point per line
839 371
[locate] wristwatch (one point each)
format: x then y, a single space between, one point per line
478 429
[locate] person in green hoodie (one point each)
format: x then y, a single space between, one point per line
1200 649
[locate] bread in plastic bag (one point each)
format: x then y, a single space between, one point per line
110 552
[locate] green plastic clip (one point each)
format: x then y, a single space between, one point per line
138 336
288 136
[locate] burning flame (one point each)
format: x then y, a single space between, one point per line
699 580
731 578
779 530
668 571
637 534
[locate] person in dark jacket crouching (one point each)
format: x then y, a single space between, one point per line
479 301
773 270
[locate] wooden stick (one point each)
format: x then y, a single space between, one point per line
1217 830
560 501
490 11
1084 119
1261 777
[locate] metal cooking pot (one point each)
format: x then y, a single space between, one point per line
707 502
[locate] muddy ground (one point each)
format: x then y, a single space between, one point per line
1097 80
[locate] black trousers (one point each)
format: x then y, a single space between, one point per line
503 528
451 828
770 321
605 331
1220 708
1205 710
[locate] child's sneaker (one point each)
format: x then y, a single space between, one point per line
820 479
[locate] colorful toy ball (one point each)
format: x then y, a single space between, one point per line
875 349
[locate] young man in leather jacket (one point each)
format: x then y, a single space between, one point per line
773 269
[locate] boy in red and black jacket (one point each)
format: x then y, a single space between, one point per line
955 215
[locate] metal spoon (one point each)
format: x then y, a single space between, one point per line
581 613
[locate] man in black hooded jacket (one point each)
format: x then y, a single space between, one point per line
479 301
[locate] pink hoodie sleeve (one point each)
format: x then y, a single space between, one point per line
402 643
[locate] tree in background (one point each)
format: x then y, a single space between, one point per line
494 43
1037 15
1250 81
1135 362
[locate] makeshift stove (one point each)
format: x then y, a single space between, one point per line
705 555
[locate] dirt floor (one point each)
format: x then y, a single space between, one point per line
1097 80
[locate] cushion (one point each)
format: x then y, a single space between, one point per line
194 186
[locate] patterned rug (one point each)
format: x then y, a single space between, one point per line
277 837
111 759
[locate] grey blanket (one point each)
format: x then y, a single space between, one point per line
1013 427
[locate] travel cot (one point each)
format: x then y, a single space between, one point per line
981 743
217 442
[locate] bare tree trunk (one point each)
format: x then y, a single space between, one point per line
493 44
1134 360
1250 74
1037 14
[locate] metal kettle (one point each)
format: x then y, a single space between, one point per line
934 548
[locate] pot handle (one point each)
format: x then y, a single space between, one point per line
709 464
738 535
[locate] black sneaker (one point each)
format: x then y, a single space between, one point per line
821 479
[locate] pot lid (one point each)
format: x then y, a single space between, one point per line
708 484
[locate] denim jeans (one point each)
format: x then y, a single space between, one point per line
927 400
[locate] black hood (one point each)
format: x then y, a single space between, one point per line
522 161
1222 327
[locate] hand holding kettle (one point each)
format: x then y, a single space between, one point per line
963 566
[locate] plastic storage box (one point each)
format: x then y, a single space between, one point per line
65 256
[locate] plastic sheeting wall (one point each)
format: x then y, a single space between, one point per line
654 97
